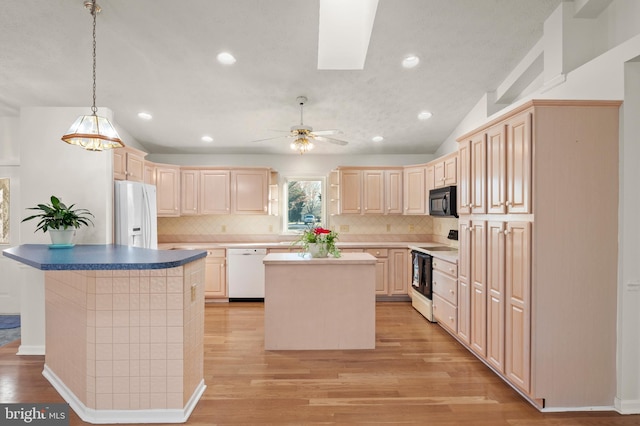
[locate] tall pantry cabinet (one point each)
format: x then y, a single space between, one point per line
538 249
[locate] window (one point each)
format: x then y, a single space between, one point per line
304 203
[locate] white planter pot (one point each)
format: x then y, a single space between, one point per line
318 250
62 237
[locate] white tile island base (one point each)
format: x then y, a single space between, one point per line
319 303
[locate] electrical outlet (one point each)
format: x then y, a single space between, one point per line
270 228
344 228
193 293
388 227
224 228
411 228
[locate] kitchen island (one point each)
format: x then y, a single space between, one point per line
124 329
319 303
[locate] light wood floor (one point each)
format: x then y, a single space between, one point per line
417 374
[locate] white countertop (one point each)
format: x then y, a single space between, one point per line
306 259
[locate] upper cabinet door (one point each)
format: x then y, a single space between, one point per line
414 190
478 173
189 193
250 191
393 191
465 182
451 170
373 194
496 169
519 164
350 191
168 190
214 192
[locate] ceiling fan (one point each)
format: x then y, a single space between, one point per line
303 136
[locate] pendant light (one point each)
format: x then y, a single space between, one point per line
92 132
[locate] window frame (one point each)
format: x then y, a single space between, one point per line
285 202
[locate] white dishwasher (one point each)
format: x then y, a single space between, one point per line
246 274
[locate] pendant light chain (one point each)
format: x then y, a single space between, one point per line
94 13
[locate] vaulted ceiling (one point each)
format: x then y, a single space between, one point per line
159 56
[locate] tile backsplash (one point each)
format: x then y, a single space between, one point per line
350 227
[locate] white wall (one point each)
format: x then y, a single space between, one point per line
52 167
289 165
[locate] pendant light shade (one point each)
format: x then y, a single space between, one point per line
92 132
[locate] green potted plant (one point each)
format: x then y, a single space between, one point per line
319 242
60 221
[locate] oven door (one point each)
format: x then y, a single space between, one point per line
421 276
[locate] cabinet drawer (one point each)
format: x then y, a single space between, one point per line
445 313
445 267
351 250
378 252
445 287
217 252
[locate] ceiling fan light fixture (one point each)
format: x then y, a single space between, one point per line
92 132
301 145
410 61
226 58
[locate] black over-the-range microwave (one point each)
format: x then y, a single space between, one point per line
442 202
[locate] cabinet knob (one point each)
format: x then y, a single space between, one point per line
451 270
508 203
506 232
377 253
451 291
451 319
471 205
435 283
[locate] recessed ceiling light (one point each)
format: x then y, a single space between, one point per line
226 58
424 115
377 138
207 138
145 115
410 61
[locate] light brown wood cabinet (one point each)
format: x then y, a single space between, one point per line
207 191
250 191
445 171
128 164
149 173
415 190
370 191
530 275
215 274
392 270
445 293
168 190
189 184
472 175
382 269
215 191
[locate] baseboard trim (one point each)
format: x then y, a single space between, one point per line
91 415
31 350
627 406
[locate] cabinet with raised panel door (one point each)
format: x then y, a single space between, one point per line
382 269
446 171
250 191
524 305
128 164
368 191
215 274
168 190
509 165
414 188
445 293
149 173
399 272
214 191
472 175
189 194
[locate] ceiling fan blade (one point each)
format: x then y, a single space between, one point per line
327 132
332 140
270 139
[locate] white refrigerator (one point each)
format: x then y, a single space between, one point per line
135 214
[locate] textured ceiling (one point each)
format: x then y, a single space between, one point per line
159 56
